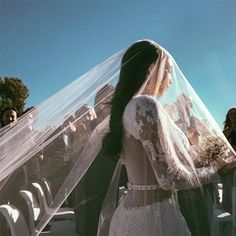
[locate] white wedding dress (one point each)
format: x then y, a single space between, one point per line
149 207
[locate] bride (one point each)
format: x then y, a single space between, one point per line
156 153
136 134
162 142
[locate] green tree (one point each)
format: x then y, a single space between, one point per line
13 92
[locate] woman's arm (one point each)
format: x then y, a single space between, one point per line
167 148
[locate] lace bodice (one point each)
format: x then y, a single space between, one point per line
164 145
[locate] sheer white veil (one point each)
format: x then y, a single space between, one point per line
54 142
44 137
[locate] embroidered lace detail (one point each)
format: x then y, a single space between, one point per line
165 145
161 218
129 122
142 187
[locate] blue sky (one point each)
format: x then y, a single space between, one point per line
49 43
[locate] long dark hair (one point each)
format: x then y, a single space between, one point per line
134 68
227 122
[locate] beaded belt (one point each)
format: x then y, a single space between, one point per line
142 187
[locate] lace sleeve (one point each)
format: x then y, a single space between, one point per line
166 147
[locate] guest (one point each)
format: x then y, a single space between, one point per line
229 178
56 160
68 131
194 206
92 189
103 101
194 203
7 119
9 115
11 186
32 166
230 127
84 122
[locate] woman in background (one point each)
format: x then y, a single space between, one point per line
229 179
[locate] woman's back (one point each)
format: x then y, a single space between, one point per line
139 169
147 209
137 164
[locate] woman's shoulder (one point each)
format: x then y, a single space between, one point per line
142 105
144 100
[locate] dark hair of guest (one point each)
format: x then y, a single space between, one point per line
227 122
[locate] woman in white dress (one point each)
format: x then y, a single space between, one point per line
156 153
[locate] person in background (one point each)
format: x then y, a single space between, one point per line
9 115
92 189
56 157
229 178
102 104
194 203
7 119
230 127
14 182
84 121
